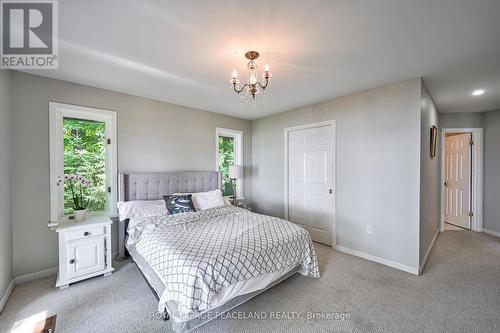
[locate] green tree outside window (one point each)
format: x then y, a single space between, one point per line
85 155
226 159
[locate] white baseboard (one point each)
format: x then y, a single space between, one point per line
6 294
43 273
29 277
421 268
22 279
491 232
390 263
36 275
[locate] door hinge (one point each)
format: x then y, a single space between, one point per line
471 214
108 141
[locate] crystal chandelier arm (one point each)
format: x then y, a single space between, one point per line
263 86
241 89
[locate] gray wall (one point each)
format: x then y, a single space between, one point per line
429 175
461 120
492 171
152 136
5 199
378 162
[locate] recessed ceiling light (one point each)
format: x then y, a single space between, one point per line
478 92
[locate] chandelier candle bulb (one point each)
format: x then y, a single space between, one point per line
234 81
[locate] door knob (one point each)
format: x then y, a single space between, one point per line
445 183
330 191
86 233
72 261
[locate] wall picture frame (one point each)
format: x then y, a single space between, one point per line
434 134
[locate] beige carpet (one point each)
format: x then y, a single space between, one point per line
459 292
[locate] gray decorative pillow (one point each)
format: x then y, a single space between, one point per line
179 203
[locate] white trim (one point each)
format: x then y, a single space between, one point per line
477 175
57 112
491 232
6 294
65 284
286 131
31 277
427 254
390 263
23 279
35 275
238 153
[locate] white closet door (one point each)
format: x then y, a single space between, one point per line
458 172
310 181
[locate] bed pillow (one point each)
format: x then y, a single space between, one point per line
179 203
207 200
141 208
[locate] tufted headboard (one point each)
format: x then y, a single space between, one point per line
153 186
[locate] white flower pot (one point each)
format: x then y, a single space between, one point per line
80 215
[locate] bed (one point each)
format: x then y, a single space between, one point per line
204 263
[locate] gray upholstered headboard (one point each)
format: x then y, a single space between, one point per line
153 186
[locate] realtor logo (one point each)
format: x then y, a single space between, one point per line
29 34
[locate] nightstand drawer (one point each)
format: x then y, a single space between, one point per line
86 232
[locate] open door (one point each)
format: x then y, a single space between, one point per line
458 179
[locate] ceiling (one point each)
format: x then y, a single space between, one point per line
183 52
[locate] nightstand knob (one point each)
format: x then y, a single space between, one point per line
72 261
86 233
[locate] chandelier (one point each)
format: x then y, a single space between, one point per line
253 87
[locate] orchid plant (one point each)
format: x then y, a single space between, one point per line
78 186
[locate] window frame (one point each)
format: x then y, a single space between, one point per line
238 153
57 113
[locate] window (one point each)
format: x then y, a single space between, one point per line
226 159
83 143
229 151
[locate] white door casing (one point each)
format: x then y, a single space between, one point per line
458 179
311 181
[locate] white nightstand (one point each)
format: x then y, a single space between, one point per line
84 249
